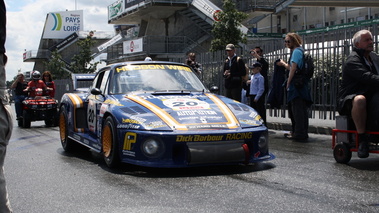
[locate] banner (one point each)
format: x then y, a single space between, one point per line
59 25
133 46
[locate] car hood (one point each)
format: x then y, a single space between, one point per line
190 111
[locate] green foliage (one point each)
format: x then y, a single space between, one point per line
227 30
56 66
81 62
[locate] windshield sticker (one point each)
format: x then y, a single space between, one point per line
200 112
152 67
185 104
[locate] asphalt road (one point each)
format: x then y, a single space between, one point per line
304 177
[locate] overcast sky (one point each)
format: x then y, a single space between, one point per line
26 18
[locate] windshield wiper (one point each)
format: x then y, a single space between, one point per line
170 92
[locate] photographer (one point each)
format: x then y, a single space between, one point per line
191 61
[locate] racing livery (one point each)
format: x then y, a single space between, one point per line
159 114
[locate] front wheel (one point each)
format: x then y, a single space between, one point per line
109 143
342 153
67 143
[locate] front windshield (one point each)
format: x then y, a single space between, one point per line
154 77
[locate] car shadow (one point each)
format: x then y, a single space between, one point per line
140 171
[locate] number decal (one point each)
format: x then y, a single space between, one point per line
186 104
91 116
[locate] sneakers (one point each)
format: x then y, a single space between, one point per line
363 149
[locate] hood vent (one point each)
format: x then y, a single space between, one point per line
134 110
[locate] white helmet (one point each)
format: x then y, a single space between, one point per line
36 75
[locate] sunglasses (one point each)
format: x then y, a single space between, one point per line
287 41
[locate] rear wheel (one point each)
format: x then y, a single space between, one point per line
26 120
342 153
67 143
109 143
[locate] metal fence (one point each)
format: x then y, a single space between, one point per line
329 50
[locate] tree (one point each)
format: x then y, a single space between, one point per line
81 62
56 66
226 30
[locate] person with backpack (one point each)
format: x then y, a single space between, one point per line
297 85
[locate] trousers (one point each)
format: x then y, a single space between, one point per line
298 113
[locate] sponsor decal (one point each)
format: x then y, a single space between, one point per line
128 126
77 137
205 138
113 102
128 153
250 122
130 121
155 124
208 126
103 109
185 104
185 113
129 139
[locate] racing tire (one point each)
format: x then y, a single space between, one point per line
67 143
109 143
342 153
25 120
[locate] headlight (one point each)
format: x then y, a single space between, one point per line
152 148
263 142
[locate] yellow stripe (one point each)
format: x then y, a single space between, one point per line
77 103
232 121
167 118
76 100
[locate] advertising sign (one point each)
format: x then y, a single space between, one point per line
59 25
115 9
133 46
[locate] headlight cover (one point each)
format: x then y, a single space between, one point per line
153 148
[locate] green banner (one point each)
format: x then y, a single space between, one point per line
316 30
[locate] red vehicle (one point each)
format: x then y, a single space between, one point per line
39 108
345 140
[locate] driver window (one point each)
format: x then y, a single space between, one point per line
101 79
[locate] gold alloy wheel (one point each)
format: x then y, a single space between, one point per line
62 127
107 141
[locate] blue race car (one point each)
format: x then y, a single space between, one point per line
159 114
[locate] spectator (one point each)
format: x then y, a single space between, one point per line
50 85
234 71
19 85
191 61
298 97
257 53
358 96
257 87
6 125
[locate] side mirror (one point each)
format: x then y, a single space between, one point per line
214 89
95 91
